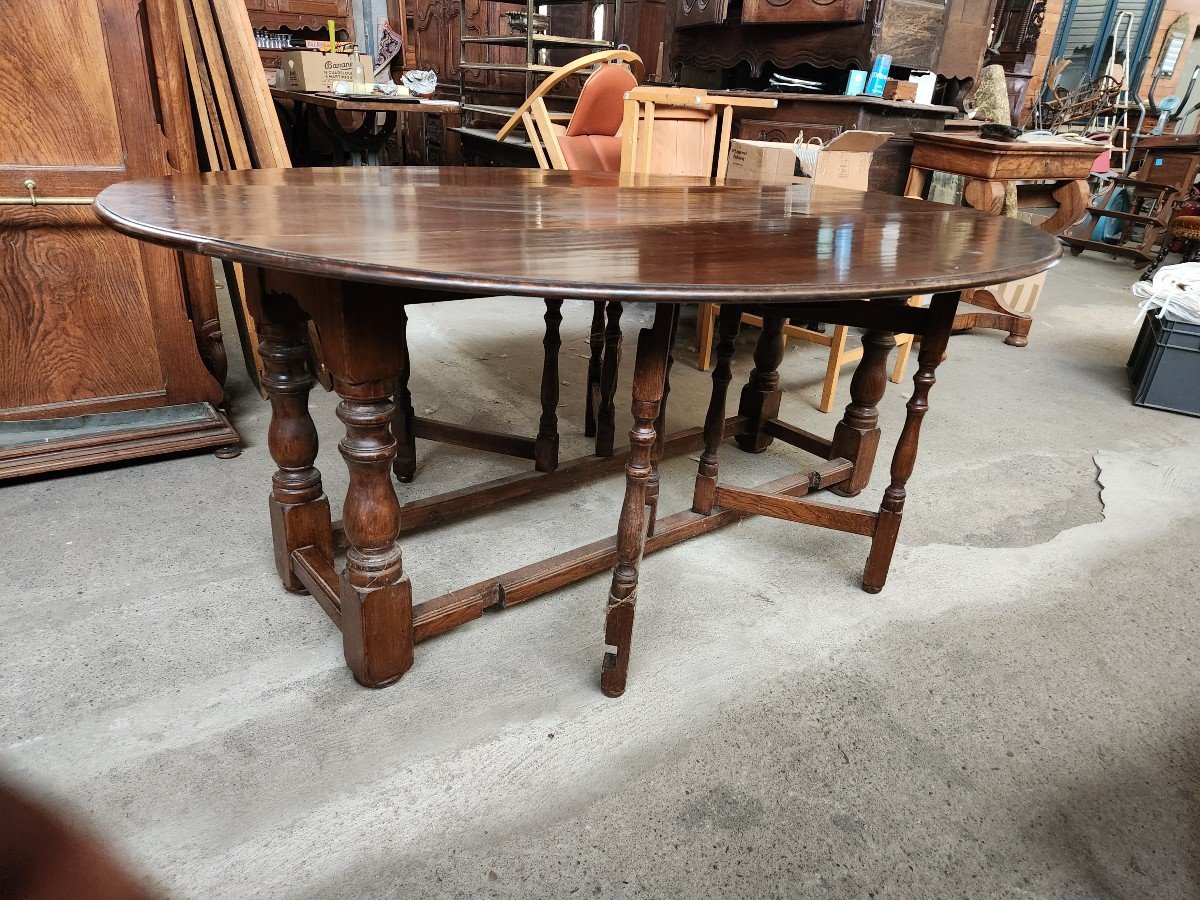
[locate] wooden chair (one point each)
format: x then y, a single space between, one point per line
588 142
680 131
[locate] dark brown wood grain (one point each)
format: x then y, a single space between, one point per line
645 239
653 347
933 348
667 239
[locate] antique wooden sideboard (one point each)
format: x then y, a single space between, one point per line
301 14
943 36
109 348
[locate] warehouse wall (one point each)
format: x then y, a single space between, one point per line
1173 10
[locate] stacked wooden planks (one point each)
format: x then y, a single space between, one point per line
234 115
234 111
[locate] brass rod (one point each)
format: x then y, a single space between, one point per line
33 200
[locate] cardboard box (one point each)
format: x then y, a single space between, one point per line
271 59
843 162
311 70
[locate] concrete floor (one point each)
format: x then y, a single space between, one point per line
1017 714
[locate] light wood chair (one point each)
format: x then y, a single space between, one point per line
680 131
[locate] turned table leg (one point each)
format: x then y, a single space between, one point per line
887 527
610 369
660 429
762 393
729 321
856 436
596 347
299 507
375 593
405 465
545 449
649 374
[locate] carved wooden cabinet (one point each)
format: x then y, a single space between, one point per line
100 335
782 12
841 34
298 14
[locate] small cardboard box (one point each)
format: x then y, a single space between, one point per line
312 70
843 162
271 59
905 91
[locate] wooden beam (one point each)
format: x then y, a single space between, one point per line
434 617
318 575
475 438
807 512
799 438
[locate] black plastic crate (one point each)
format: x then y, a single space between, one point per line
1164 368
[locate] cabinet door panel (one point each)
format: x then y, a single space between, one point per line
804 11
701 12
99 321
70 302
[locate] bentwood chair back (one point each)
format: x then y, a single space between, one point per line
590 140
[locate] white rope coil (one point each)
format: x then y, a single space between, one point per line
1174 291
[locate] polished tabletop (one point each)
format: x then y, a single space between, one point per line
540 233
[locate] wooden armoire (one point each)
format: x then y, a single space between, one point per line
110 348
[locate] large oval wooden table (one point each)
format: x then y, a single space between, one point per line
348 248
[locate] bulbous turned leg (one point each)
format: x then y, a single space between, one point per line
545 448
856 436
606 421
405 465
729 323
596 346
762 393
887 527
375 593
299 507
649 374
660 430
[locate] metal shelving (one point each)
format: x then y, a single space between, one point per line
534 45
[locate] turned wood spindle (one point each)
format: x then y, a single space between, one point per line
298 505
729 322
649 374
660 429
596 346
606 419
761 393
546 446
887 528
405 465
856 436
376 594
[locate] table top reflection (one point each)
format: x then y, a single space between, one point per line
538 233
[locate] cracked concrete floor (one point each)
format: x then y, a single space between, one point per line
1015 715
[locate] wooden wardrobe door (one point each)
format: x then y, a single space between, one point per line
90 321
